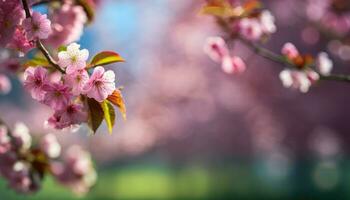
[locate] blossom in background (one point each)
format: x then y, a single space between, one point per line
301 80
67 24
324 64
76 81
38 26
5 84
216 49
21 136
267 21
20 42
101 84
76 171
9 20
35 78
22 164
250 29
5 143
290 51
233 65
73 58
255 27
50 146
20 179
57 95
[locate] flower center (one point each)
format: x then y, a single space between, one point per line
35 27
98 83
70 109
74 58
57 94
37 82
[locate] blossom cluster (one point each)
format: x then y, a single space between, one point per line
249 23
218 51
252 24
64 94
24 165
304 76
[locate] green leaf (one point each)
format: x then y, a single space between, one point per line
89 8
109 114
117 99
35 62
96 114
62 48
105 58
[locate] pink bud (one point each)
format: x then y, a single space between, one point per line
298 79
290 51
233 65
216 48
324 63
250 29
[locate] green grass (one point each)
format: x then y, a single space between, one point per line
156 182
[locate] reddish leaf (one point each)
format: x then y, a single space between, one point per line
105 58
117 99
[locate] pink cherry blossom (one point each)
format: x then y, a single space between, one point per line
7 160
72 114
5 143
67 24
101 84
20 177
76 171
267 21
50 146
73 59
21 136
77 81
57 95
38 26
216 48
290 51
20 42
298 79
34 81
11 15
5 84
324 64
233 65
250 29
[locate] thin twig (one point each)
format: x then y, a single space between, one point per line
39 44
44 2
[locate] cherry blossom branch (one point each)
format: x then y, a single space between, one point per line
264 52
39 44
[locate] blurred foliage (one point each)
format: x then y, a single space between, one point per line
230 181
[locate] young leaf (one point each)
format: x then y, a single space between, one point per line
109 114
117 99
35 62
62 48
96 114
105 58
